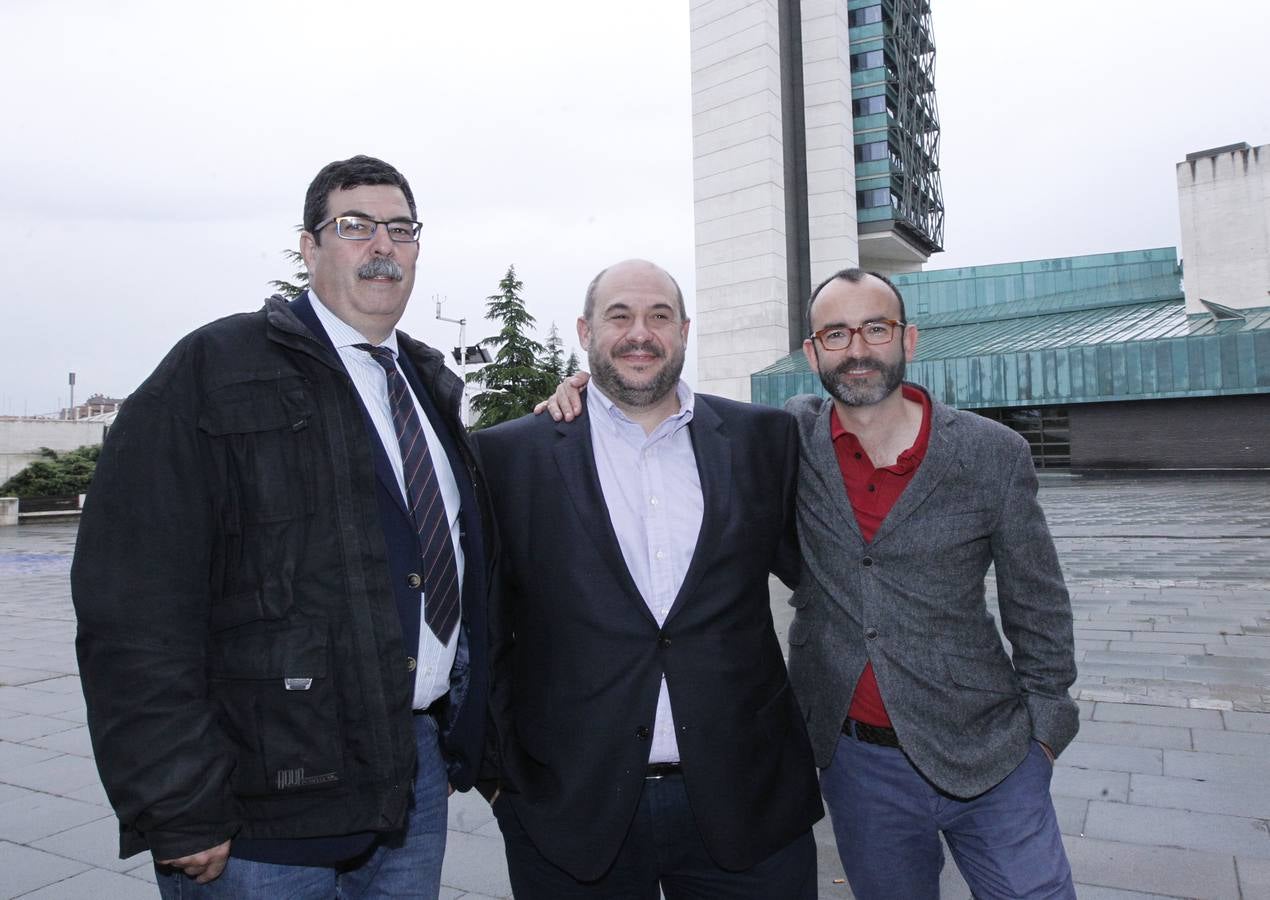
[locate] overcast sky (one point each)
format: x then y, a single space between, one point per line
155 157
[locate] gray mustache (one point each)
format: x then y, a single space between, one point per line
380 267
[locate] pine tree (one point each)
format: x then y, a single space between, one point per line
515 380
293 289
553 359
572 365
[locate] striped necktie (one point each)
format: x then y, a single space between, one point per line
423 495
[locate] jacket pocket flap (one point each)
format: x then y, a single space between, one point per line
798 632
982 674
248 407
296 653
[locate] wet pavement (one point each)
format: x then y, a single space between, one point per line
1164 793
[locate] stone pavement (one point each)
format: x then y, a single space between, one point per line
1165 793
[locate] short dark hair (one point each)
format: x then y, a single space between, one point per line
344 174
588 306
855 276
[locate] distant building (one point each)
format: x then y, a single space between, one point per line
1107 361
1224 205
95 405
816 147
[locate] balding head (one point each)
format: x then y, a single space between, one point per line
640 269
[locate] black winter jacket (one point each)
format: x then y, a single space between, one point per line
239 647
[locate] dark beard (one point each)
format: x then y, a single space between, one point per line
621 391
867 394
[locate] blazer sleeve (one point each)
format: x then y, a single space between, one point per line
493 775
1036 613
788 563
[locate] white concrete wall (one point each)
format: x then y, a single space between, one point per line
20 439
739 192
1224 205
831 214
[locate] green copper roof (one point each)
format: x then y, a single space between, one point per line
1121 338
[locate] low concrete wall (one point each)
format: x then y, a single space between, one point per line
8 511
21 439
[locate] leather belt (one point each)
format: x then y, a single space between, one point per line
662 770
871 734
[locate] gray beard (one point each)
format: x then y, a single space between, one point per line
864 394
622 392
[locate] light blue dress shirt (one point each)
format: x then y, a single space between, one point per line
653 492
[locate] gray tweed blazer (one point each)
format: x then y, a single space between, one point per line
912 601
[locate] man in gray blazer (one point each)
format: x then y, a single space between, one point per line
920 720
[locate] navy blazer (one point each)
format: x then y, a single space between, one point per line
580 659
463 718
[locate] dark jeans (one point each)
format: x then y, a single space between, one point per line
662 848
887 819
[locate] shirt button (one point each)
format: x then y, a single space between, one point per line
642 732
413 581
661 554
872 488
411 662
652 500
870 633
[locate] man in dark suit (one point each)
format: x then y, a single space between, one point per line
921 722
281 583
646 728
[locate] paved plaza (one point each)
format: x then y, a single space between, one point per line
1165 792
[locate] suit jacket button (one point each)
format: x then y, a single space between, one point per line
867 561
642 732
413 581
411 663
665 642
870 633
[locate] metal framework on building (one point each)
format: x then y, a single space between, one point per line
917 198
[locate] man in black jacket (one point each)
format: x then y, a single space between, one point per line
281 583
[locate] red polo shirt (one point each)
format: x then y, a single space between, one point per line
872 493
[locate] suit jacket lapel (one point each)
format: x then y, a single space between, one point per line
830 500
940 455
713 449
575 458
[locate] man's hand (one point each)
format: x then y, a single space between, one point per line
566 402
202 867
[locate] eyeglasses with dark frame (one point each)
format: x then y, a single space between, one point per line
360 228
838 337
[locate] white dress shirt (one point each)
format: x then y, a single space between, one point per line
432 674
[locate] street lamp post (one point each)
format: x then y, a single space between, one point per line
464 410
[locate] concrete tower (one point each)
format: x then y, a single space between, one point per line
816 147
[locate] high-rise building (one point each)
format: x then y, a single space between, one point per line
816 147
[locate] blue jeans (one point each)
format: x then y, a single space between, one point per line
662 849
403 864
887 819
